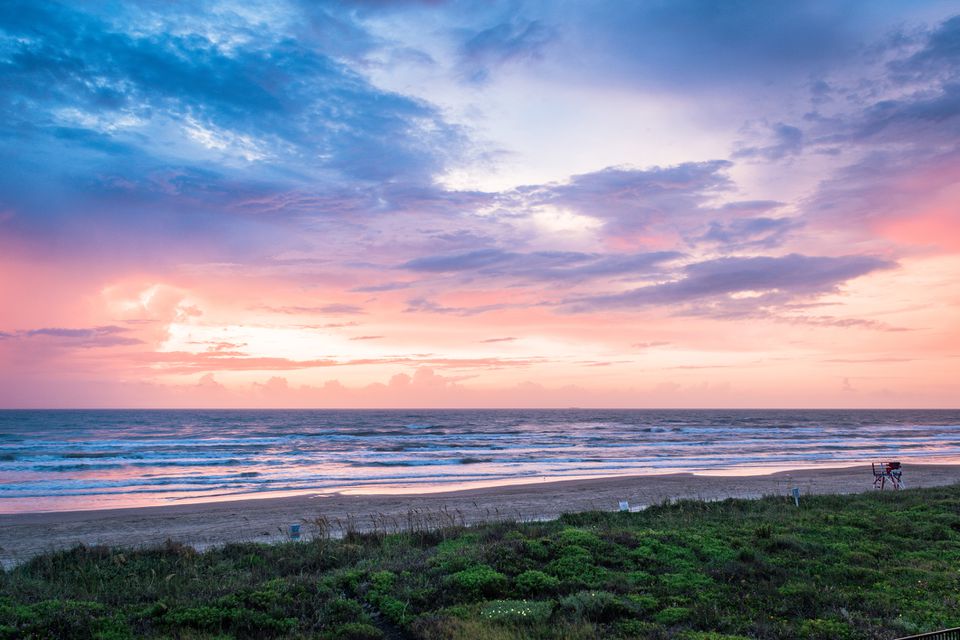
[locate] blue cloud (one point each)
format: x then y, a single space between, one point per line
510 41
299 103
697 45
194 131
938 57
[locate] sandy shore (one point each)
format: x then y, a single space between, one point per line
206 524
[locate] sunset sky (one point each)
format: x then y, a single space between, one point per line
507 204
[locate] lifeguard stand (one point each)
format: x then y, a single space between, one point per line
884 472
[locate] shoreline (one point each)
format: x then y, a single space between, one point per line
205 524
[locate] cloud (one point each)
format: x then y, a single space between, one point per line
326 309
387 286
749 233
931 115
494 340
102 336
423 305
183 362
766 279
459 262
635 200
649 345
507 42
543 265
786 141
165 126
904 195
698 45
279 92
939 57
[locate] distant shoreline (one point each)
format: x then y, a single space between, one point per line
206 524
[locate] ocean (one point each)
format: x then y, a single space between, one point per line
91 459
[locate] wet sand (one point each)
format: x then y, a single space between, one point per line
266 520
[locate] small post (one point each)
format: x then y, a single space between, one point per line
796 495
295 532
624 505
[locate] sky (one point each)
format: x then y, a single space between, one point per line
679 203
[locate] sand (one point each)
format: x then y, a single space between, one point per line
267 519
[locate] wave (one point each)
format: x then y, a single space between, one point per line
192 453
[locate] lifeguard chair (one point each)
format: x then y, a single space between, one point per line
884 472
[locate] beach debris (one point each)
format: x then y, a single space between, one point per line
884 472
624 505
294 532
796 495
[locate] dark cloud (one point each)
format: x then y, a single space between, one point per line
747 233
469 261
770 279
543 265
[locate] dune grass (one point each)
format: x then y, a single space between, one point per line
877 565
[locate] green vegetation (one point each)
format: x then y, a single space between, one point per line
877 565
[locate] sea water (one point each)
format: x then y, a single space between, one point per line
90 459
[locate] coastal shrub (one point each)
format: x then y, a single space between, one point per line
576 572
478 581
349 580
818 629
639 579
536 550
672 616
356 631
340 611
844 567
241 622
382 581
455 554
60 619
689 582
799 598
531 612
508 557
534 583
394 610
596 606
579 537
642 603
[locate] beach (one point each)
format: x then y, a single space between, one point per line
202 525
